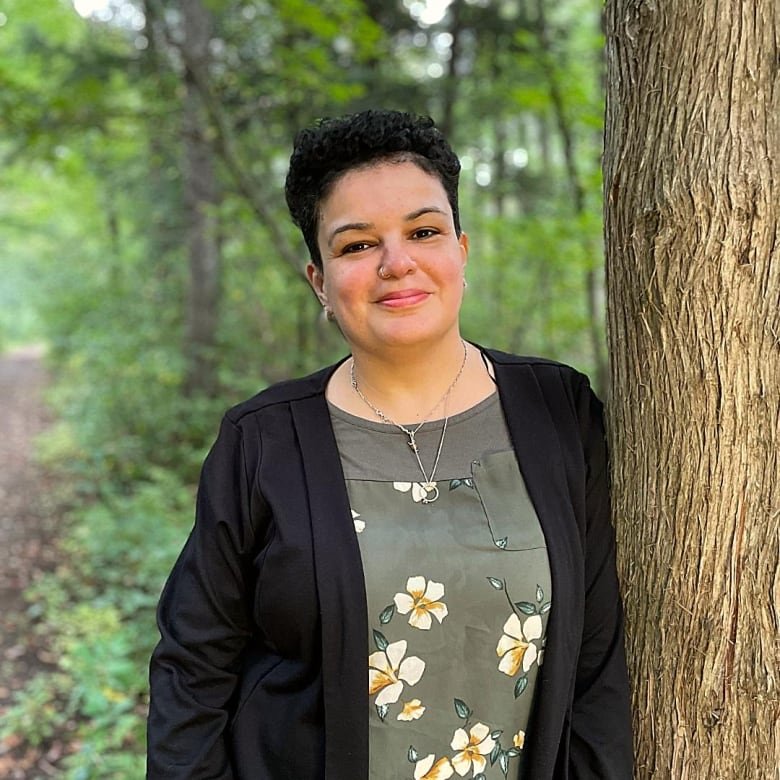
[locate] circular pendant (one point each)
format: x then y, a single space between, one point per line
430 489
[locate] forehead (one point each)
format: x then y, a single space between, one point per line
381 185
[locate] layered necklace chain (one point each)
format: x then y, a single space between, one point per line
429 484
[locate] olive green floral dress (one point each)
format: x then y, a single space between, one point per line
458 594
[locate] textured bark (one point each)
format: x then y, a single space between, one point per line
693 265
201 196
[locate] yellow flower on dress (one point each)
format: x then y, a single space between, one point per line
519 739
422 600
516 648
389 670
473 748
413 710
425 769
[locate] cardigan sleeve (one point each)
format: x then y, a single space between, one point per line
204 620
600 742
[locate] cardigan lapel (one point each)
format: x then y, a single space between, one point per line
341 589
538 450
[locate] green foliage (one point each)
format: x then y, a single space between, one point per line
97 612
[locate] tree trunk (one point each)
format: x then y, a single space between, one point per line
693 275
201 197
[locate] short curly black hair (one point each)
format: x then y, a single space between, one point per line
323 153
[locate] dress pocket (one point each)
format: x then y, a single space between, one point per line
510 516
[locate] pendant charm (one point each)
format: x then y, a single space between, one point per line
430 488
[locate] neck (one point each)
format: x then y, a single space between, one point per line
406 387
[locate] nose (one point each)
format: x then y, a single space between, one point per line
397 261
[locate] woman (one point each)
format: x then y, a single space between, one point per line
434 511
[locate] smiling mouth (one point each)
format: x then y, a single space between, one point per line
401 298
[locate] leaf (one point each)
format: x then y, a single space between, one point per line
496 734
496 583
386 615
495 753
526 607
545 608
480 776
413 755
462 709
539 593
501 543
520 685
455 483
380 641
382 710
469 482
513 752
503 762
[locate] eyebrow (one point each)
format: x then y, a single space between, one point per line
410 217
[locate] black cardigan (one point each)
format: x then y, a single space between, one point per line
261 669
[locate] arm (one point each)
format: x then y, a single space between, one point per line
204 621
601 746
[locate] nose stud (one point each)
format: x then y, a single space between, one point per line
383 274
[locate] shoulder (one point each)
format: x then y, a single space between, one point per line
279 395
550 388
546 372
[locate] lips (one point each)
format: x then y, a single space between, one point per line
401 298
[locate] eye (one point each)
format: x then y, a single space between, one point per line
358 246
425 232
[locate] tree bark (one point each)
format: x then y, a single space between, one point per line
693 297
201 198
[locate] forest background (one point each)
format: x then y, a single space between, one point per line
144 239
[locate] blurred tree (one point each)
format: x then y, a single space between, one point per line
201 197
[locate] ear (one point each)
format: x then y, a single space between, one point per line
463 240
316 280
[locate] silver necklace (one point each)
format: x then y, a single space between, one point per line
431 490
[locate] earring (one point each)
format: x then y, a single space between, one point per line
465 283
328 312
383 274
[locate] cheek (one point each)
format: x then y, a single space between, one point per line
342 287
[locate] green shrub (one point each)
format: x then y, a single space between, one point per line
96 614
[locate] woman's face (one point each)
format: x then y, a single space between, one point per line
392 263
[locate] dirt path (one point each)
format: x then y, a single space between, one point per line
26 526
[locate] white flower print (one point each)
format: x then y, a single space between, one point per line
419 490
516 648
422 599
426 769
472 747
360 525
389 670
